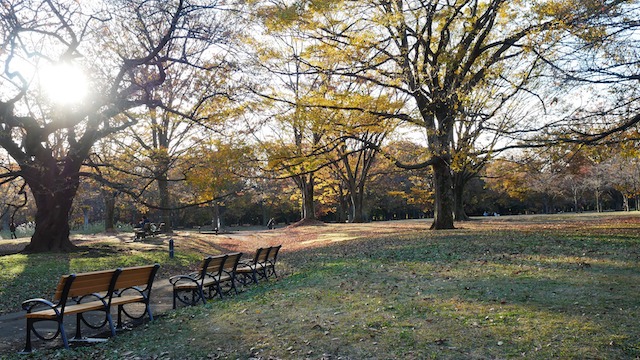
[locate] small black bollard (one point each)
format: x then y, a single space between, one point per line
171 248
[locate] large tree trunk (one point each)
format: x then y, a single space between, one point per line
53 193
443 206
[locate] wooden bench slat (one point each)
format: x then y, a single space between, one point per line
60 287
186 286
69 309
134 276
215 263
88 283
126 299
245 269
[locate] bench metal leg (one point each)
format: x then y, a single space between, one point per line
78 336
111 327
244 276
271 271
175 295
79 320
63 334
119 326
27 346
201 292
214 290
149 311
232 286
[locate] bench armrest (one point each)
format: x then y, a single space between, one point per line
31 304
178 278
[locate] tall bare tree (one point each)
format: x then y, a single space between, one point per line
123 47
436 53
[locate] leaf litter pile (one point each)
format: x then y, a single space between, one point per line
534 287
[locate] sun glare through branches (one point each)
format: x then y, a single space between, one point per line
64 83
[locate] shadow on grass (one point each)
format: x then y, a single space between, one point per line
578 295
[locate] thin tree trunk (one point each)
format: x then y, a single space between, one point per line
110 210
458 199
358 206
343 205
165 201
306 186
216 221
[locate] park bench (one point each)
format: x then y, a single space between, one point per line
208 229
216 276
190 289
262 266
148 229
91 292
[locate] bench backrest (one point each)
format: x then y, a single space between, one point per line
261 255
136 276
272 256
232 261
85 283
214 265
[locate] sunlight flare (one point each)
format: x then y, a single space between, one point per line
64 83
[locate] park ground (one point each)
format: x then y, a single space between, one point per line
534 287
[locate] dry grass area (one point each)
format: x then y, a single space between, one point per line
317 234
293 237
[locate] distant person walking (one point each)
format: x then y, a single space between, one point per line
12 229
271 224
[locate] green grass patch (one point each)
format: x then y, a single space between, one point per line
460 294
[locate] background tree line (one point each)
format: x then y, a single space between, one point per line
558 179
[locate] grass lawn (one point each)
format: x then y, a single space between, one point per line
533 287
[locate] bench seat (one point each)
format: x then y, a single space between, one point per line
52 314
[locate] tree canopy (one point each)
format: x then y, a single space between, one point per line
221 96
